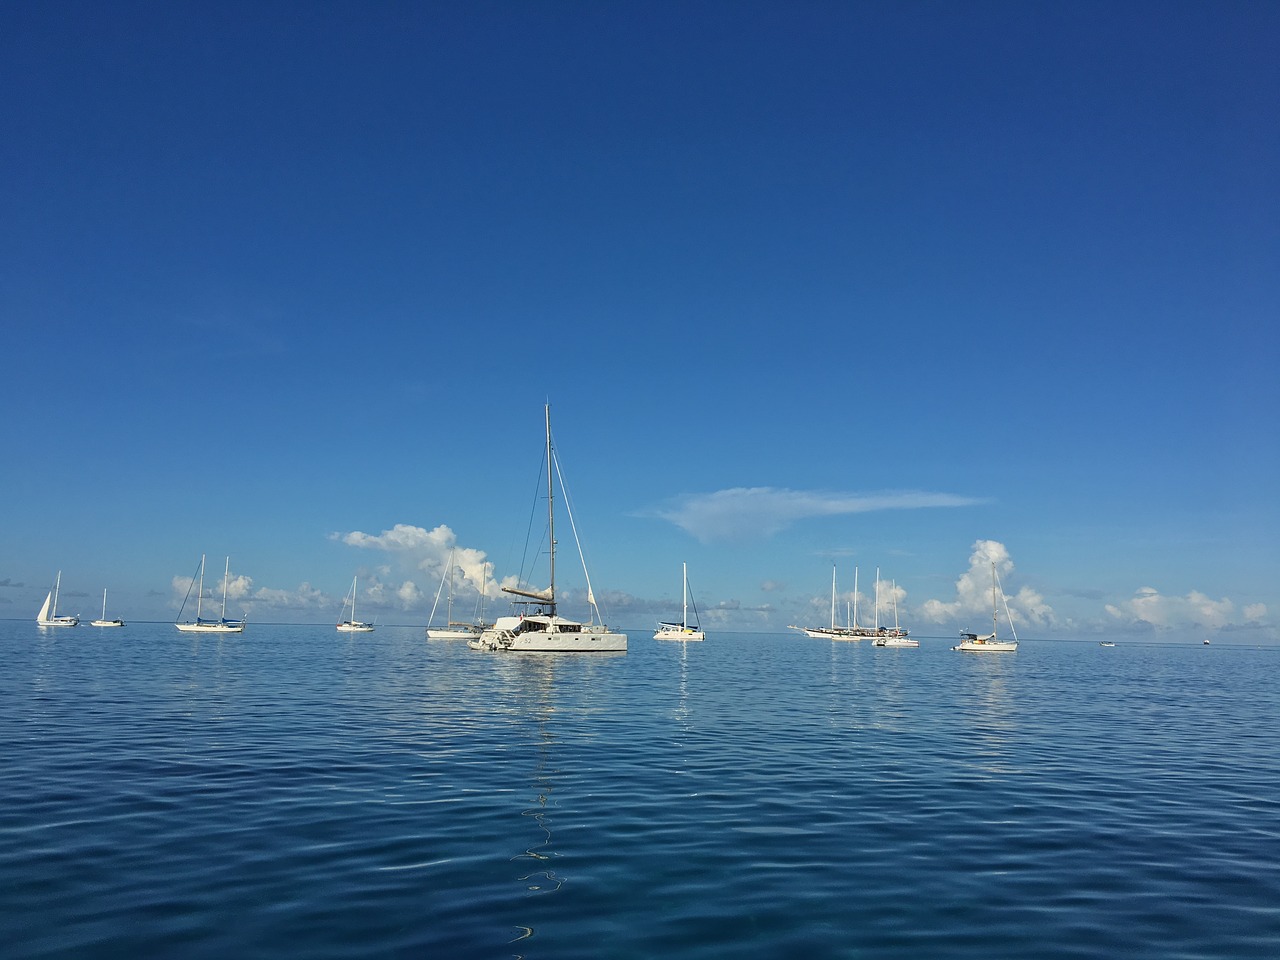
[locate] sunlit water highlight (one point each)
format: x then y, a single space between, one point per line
292 792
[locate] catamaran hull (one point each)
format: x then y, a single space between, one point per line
539 642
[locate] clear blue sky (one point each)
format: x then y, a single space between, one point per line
875 284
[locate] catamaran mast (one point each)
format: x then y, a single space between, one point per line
684 568
551 513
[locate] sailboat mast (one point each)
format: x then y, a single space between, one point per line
225 574
855 596
994 617
551 513
57 585
200 592
877 599
833 596
104 604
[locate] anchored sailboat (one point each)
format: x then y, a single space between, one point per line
542 630
353 625
452 630
48 615
104 622
973 643
200 625
681 631
833 632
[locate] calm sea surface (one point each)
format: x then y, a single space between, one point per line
292 792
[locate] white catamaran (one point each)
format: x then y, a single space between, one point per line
542 631
452 630
200 625
48 615
973 643
682 630
104 622
353 625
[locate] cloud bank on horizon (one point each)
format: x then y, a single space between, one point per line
740 513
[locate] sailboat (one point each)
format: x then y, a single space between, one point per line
833 632
681 631
104 622
452 630
973 643
897 636
353 625
48 615
542 630
200 625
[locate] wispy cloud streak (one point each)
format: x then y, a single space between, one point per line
741 513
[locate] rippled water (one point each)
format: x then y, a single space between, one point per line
291 792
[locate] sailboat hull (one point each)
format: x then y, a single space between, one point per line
987 646
210 627
106 623
679 634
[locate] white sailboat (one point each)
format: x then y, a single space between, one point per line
353 625
452 630
104 622
833 632
973 643
200 625
48 615
543 631
681 631
895 636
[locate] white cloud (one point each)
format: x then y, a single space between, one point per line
973 592
761 512
424 556
1255 612
1149 606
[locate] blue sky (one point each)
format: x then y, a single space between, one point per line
885 284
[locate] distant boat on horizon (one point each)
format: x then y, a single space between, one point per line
353 625
200 625
681 631
104 622
48 615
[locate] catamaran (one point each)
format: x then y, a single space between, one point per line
104 622
48 615
452 630
200 625
668 630
990 643
353 625
541 630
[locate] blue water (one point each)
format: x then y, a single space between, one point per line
292 792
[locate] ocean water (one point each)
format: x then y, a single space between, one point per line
293 792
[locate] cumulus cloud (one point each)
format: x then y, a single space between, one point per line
760 512
424 555
1150 608
973 591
